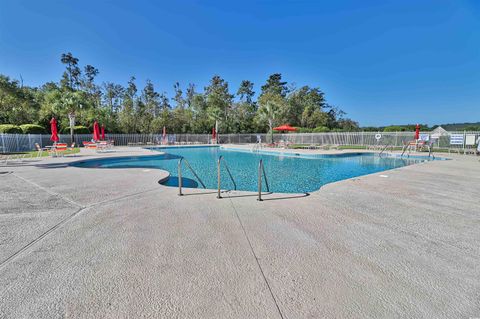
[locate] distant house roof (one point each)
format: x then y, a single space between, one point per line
440 131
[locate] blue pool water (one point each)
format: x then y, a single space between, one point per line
286 173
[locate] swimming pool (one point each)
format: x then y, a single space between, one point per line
286 172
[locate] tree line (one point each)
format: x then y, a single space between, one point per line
132 109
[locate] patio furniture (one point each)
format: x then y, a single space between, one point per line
89 145
58 149
40 150
101 146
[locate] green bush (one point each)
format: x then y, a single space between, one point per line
303 129
10 129
77 130
33 129
321 129
394 128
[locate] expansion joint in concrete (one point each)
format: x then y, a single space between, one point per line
256 259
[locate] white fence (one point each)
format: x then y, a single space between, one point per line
26 142
397 139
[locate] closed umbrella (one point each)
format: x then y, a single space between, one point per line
417 132
53 128
214 134
164 135
96 132
103 132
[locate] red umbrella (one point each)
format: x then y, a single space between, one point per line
417 132
285 127
103 132
214 133
53 128
164 135
96 131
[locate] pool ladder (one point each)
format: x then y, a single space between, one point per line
183 159
430 150
219 163
256 147
261 173
384 149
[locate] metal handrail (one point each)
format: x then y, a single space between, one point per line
404 149
218 175
430 151
261 169
180 175
256 147
383 150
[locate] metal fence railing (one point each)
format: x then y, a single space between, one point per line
26 142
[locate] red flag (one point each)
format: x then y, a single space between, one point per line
53 128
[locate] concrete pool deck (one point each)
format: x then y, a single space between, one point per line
113 243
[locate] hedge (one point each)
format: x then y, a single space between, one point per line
77 130
303 130
33 129
10 129
321 129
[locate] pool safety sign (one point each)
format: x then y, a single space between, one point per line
456 139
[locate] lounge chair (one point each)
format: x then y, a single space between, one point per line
40 150
89 145
58 149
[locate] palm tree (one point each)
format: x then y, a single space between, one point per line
270 107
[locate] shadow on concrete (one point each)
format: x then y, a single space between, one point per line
19 164
249 195
202 193
287 197
52 165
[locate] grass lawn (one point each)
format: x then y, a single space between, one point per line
352 147
44 153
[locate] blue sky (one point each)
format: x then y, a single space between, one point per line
383 62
